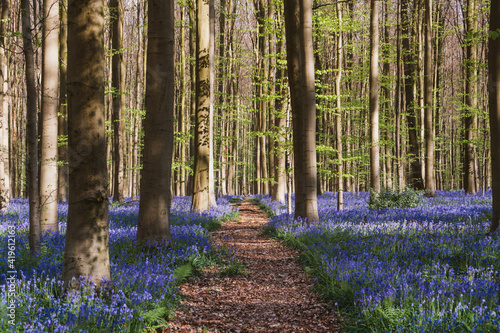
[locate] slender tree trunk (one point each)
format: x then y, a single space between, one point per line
494 110
183 99
5 185
201 198
118 85
470 119
31 132
374 100
338 117
415 179
50 80
211 171
63 112
398 103
154 208
86 251
430 179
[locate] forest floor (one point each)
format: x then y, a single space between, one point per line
273 295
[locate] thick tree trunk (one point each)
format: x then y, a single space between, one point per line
154 208
86 251
300 59
430 179
494 110
50 81
118 86
374 100
201 199
31 131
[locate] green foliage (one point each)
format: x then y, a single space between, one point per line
234 268
388 198
183 272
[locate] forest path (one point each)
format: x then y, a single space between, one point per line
273 296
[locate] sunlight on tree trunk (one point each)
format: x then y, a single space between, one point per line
374 99
430 179
86 251
50 77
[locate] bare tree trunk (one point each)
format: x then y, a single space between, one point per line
201 195
494 110
4 111
300 59
211 174
470 120
415 178
338 117
63 111
50 80
86 251
31 132
430 179
118 86
374 100
154 209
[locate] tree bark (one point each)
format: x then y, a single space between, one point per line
374 100
470 119
430 179
415 179
494 110
154 208
50 80
201 199
338 117
300 59
86 251
5 185
31 132
118 86
63 111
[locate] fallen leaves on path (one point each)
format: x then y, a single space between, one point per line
274 296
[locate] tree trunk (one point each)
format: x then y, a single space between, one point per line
211 57
63 111
300 59
154 208
338 117
374 100
4 111
494 109
118 86
470 119
415 179
201 199
86 251
50 80
31 132
430 179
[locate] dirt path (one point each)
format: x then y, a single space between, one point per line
274 295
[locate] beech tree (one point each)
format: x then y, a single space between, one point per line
50 80
118 87
4 118
155 196
31 131
201 198
494 109
374 99
86 251
300 62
